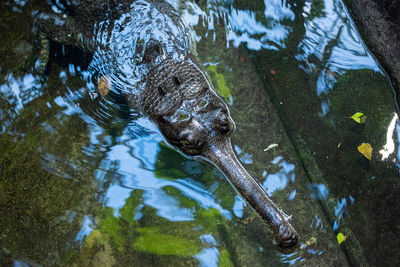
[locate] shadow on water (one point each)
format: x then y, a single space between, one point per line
84 180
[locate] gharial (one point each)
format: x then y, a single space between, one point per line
145 50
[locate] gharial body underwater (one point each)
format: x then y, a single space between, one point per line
144 50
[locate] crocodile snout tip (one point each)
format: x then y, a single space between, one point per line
288 237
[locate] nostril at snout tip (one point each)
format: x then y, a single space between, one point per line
225 128
224 124
288 237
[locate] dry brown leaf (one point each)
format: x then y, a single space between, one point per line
104 85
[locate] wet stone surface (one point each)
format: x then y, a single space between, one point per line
85 180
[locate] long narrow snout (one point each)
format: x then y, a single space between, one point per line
220 153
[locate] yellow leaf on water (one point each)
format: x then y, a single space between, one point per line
359 117
104 85
366 150
340 238
271 146
309 242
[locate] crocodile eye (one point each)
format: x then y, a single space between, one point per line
183 117
185 142
191 140
203 103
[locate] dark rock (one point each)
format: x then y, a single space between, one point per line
378 22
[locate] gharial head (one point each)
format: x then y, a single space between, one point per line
193 118
180 100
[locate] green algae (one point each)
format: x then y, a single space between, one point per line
256 119
327 145
224 259
220 83
153 240
30 195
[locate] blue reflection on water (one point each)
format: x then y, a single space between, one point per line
86 229
292 258
334 42
318 191
331 39
116 197
238 207
316 223
340 210
244 157
208 257
136 159
242 26
292 195
22 89
208 240
279 180
120 43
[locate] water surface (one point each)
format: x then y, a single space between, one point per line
84 180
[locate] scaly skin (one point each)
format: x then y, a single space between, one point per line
177 96
181 101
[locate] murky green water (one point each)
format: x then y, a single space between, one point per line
87 182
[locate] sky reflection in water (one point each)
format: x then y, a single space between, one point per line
329 49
